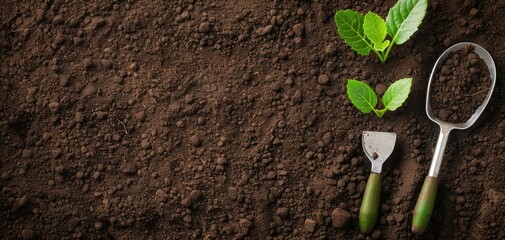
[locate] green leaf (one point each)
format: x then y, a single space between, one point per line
361 95
350 28
381 46
396 94
404 18
375 30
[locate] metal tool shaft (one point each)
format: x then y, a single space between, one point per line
436 162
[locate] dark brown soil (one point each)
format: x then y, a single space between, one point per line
460 86
229 120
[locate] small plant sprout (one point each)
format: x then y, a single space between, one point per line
368 33
364 98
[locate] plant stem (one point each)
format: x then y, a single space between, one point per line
388 50
379 113
381 58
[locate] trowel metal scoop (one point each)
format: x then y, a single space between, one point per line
377 146
426 200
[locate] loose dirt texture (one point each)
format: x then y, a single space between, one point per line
460 86
229 120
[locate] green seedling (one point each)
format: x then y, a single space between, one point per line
364 98
368 33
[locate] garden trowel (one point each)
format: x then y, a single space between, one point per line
377 146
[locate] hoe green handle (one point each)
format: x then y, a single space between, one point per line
370 205
424 205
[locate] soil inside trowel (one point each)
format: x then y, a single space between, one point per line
460 86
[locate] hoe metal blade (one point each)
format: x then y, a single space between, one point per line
378 146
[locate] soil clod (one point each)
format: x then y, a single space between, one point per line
340 218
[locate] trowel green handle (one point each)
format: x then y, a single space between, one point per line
424 205
370 205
